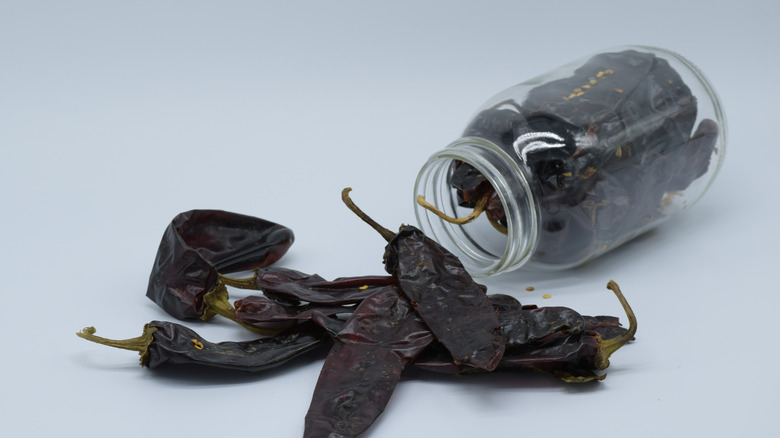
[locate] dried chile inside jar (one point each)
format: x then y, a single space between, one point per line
564 167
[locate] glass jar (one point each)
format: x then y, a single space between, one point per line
571 164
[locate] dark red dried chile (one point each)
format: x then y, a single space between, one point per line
199 245
291 285
455 307
361 371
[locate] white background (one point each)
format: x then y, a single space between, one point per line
116 116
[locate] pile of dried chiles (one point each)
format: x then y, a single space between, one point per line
428 313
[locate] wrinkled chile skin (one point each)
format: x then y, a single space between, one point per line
529 325
233 242
200 244
382 336
546 339
455 307
259 309
173 345
571 352
284 284
179 279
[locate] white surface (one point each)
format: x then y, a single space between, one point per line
115 116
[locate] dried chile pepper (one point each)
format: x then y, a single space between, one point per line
504 303
288 284
361 371
571 355
233 242
526 323
608 327
198 246
530 324
575 356
453 305
260 309
168 343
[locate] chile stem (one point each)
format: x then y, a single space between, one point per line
139 344
610 346
384 232
216 302
478 209
500 228
240 283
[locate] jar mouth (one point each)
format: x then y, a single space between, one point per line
482 249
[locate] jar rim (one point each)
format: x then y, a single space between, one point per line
513 189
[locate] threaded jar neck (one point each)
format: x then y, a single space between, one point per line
480 247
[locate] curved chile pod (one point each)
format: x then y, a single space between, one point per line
165 343
175 344
179 279
199 245
233 242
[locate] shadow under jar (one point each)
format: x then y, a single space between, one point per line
571 164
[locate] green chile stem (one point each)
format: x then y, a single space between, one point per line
216 302
610 346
